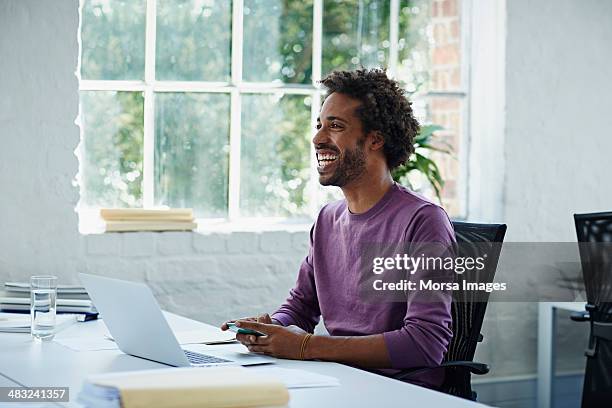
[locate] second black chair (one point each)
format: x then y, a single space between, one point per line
594 233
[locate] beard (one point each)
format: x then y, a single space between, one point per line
351 165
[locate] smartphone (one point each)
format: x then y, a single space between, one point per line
240 330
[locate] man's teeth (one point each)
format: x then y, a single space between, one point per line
325 159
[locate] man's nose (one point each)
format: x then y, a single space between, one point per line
319 137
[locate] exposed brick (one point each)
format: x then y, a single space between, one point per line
455 78
104 244
440 34
174 243
454 122
138 244
450 188
449 8
440 81
435 9
445 104
454 30
445 55
275 242
209 243
242 242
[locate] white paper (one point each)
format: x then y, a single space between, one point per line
14 323
293 378
204 336
87 343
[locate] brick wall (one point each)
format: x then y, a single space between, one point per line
445 69
208 277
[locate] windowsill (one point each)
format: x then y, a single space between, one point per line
90 223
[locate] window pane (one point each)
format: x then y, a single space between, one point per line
275 154
191 151
355 34
193 40
278 41
113 39
446 112
430 45
111 162
414 44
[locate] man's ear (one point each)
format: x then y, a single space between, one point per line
376 141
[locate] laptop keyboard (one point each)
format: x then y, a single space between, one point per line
197 358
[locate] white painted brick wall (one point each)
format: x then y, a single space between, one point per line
104 244
174 243
275 242
138 244
210 243
243 243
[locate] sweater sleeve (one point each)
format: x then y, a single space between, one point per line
302 306
424 338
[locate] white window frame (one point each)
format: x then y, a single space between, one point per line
236 87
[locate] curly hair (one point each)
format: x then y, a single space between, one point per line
384 108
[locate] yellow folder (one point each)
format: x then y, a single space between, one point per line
209 387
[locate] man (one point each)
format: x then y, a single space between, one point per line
365 129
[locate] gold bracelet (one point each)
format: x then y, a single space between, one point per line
304 344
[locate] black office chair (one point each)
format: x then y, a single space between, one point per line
468 311
596 261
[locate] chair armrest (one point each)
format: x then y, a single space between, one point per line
583 316
472 366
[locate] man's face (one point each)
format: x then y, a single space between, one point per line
339 142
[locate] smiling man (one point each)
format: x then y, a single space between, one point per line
366 128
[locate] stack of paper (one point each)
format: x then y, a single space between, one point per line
70 299
138 219
69 291
19 323
212 387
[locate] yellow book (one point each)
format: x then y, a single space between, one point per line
134 214
124 226
211 387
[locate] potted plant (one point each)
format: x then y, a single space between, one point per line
420 162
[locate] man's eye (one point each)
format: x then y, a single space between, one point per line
318 126
334 125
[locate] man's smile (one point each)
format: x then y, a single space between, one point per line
325 159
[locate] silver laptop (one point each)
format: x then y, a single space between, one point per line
136 322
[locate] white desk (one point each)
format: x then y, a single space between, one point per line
547 326
51 364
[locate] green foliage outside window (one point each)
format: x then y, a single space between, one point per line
193 42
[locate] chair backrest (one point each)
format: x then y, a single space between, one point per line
593 229
468 310
594 233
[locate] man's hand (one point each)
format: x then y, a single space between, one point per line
264 318
279 341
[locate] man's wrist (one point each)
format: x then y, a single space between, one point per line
312 348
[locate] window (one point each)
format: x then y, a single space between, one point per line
211 104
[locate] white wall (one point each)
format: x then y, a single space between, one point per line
558 120
556 146
556 143
207 277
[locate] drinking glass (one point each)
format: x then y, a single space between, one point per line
43 294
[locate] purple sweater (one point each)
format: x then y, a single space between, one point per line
416 333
